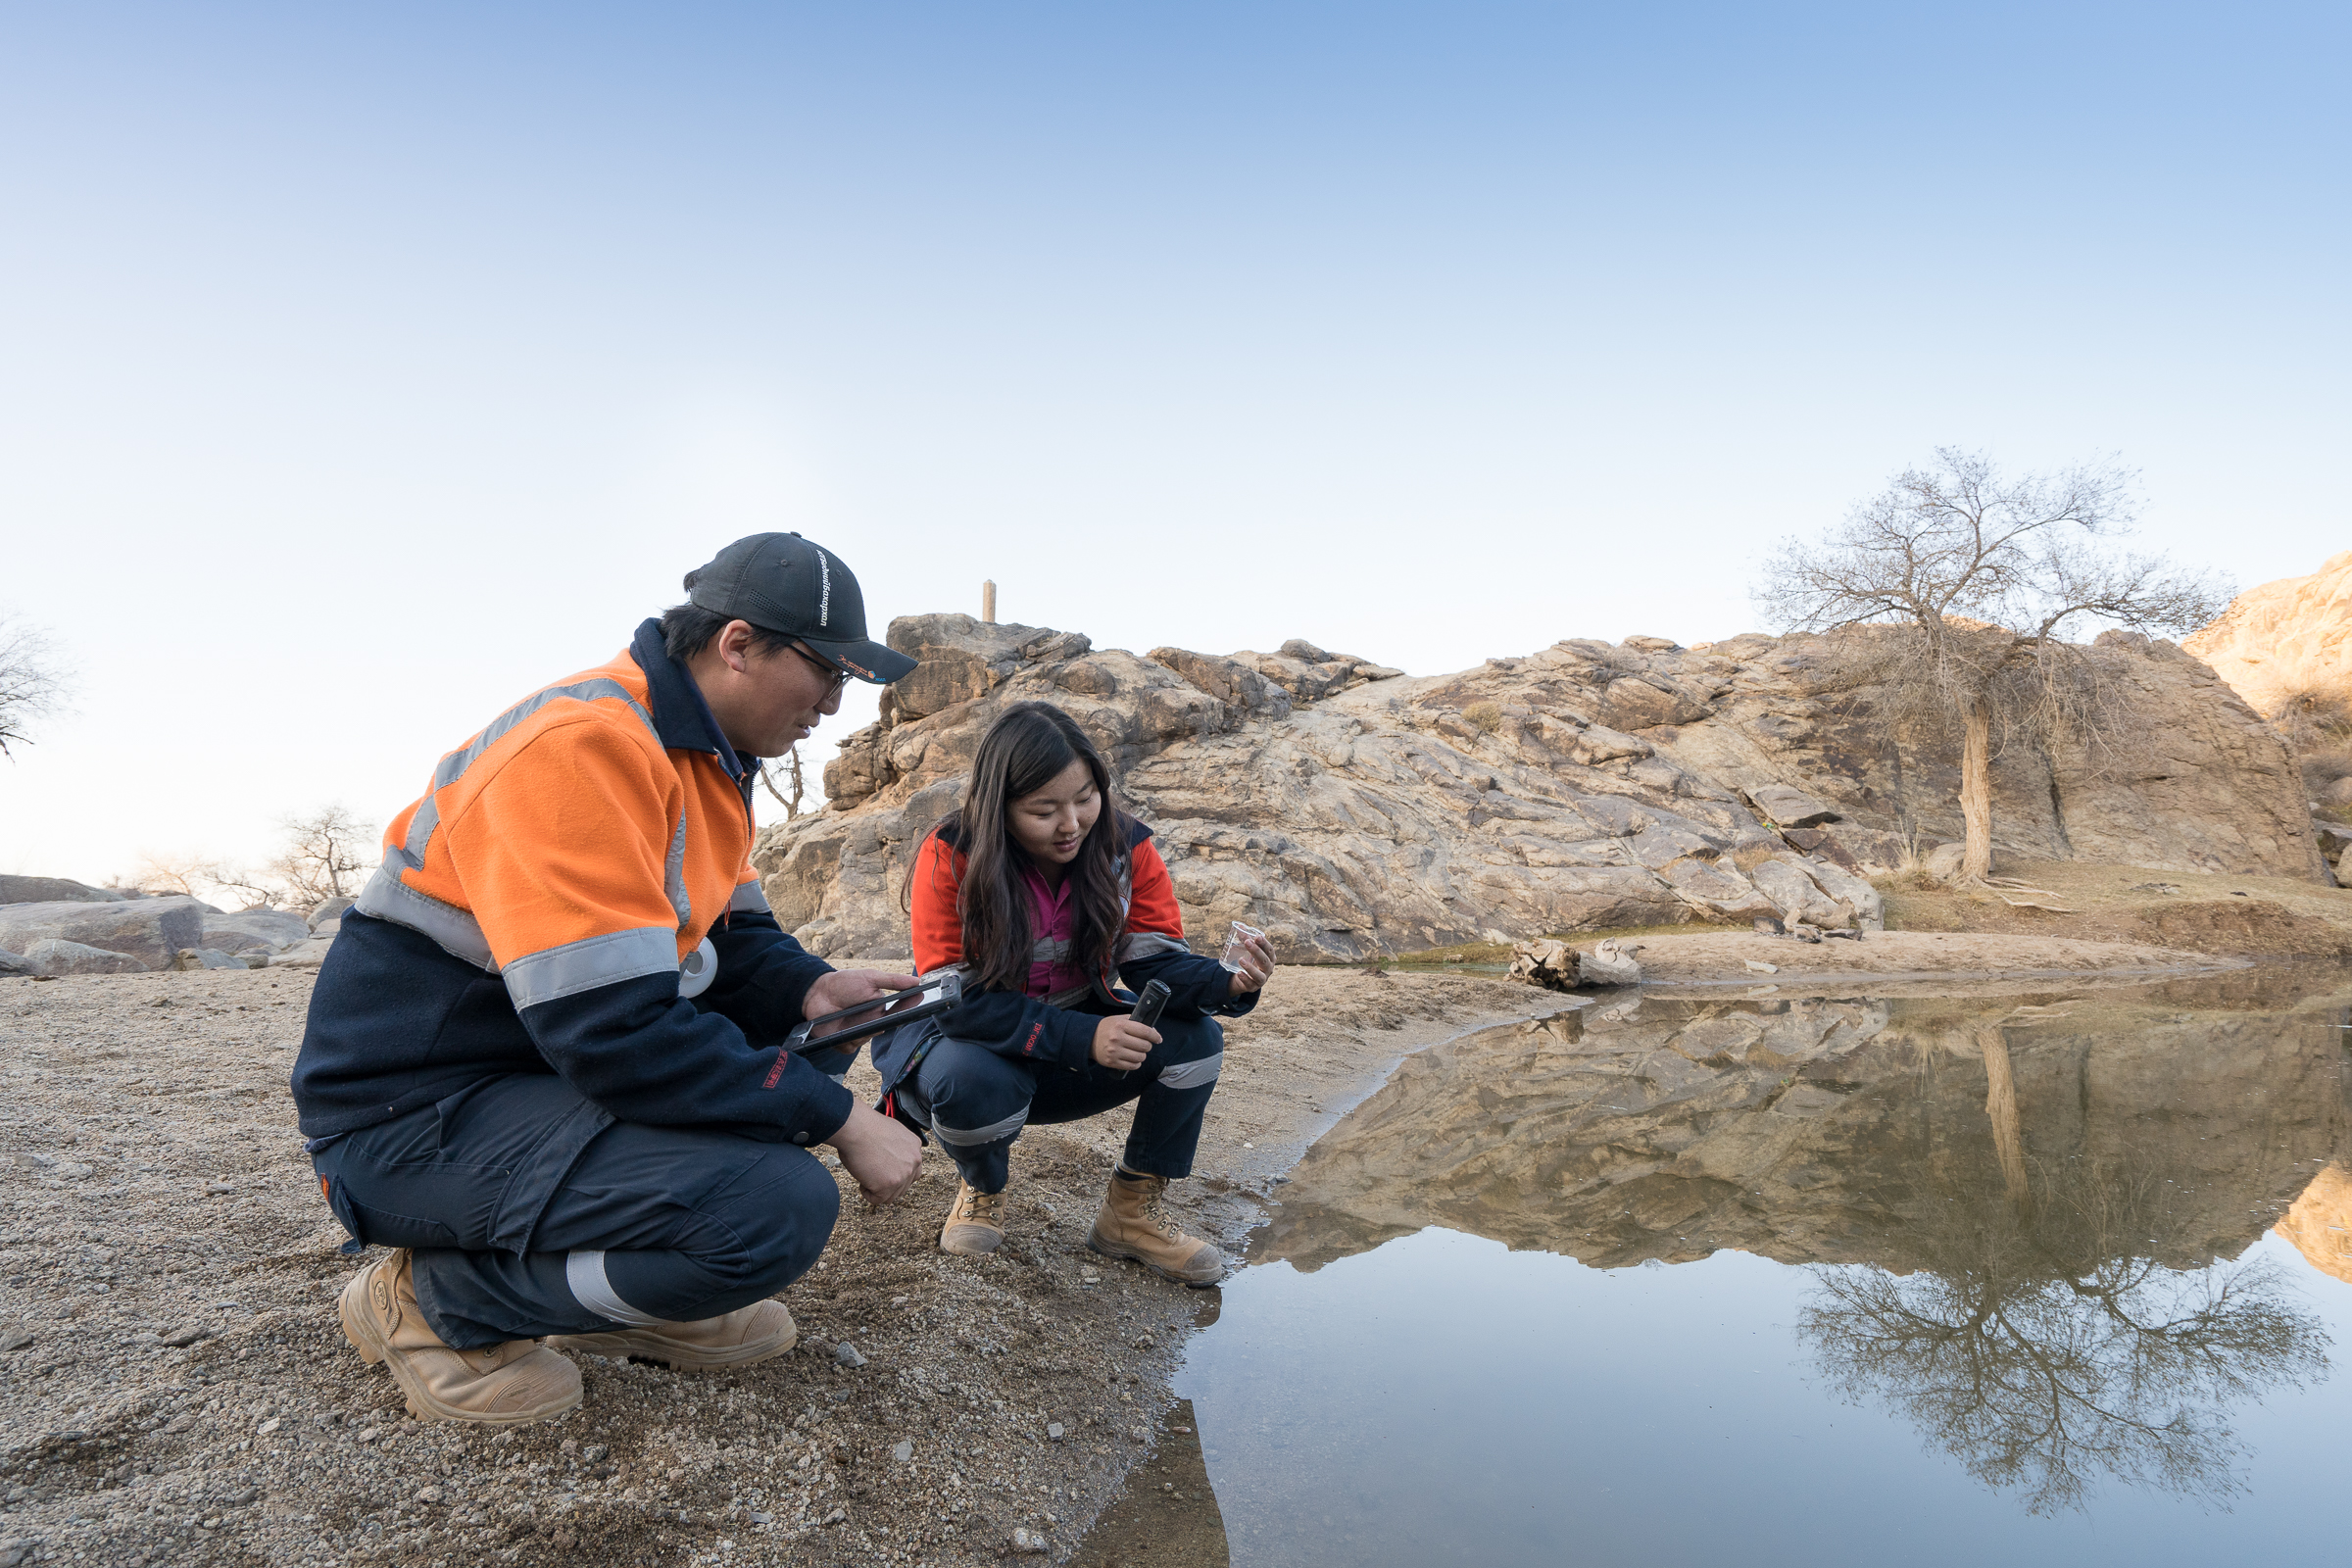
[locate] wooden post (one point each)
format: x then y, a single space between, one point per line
987 601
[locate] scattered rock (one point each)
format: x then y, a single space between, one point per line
150 930
846 1356
56 890
206 959
54 957
245 930
1027 1541
903 1451
329 913
182 1338
14 1336
1785 806
1054 1432
1609 963
1759 967
268 1425
595 1453
303 954
430 1493
1943 860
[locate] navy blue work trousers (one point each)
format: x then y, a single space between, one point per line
531 1211
978 1102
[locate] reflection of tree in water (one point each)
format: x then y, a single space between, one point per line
2038 1350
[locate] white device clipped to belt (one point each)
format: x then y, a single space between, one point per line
698 969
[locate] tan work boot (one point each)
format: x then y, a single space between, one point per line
975 1224
749 1334
503 1384
1134 1223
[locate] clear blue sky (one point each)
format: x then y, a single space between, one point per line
362 368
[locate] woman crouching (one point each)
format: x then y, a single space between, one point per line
1042 890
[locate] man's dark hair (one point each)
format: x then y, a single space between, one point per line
687 629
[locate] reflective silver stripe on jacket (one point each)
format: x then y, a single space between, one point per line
459 933
452 766
1193 1074
748 899
387 897
1146 945
592 961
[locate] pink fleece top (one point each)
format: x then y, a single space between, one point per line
1053 918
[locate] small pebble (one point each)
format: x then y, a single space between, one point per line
847 1355
428 1494
595 1452
219 1187
1053 1431
268 1425
1026 1541
367 1435
903 1451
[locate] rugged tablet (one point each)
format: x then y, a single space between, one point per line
838 1031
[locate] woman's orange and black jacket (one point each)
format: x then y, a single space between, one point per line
532 912
1061 1030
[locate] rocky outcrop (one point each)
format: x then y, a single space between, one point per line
2285 640
1345 809
1350 810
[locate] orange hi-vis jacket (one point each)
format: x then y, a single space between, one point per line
573 895
1058 1030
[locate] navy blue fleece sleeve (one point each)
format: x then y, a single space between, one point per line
639 1051
1198 987
1023 1028
763 976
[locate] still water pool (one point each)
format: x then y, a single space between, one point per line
2059 1278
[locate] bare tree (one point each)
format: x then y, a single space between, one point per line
791 776
325 853
2043 1349
1974 577
31 686
191 874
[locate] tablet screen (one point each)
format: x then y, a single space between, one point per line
882 1010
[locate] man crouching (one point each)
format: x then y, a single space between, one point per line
542 1056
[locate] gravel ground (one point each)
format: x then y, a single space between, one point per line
173 1387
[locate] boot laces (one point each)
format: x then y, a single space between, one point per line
984 1209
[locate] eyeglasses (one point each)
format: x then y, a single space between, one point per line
841 678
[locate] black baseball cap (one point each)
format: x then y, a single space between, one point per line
781 582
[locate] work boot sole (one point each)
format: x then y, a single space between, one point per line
359 1328
649 1345
1096 1243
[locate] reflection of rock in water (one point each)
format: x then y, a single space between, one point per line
2320 1223
2037 1192
1828 1131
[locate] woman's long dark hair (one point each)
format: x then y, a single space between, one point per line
1028 745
